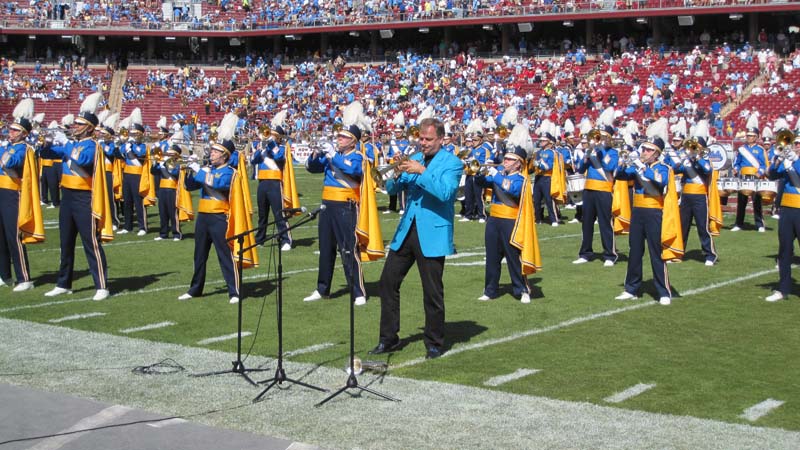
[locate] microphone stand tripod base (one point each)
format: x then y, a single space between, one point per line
279 378
352 383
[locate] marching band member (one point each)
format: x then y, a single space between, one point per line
786 166
21 214
269 161
424 236
397 148
546 164
168 190
341 196
221 214
51 165
473 193
698 190
599 163
774 150
135 153
652 211
105 138
158 149
371 149
750 164
84 207
509 216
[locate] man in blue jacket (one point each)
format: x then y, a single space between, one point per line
424 235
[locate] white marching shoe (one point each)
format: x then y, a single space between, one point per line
525 298
101 294
286 247
2 283
625 296
24 286
664 301
186 296
313 297
123 231
580 261
484 298
774 297
57 291
141 233
360 301
233 300
762 230
709 263
608 263
735 228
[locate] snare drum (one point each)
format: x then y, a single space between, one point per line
747 187
768 190
729 186
575 184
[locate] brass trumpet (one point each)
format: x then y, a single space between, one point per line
694 149
377 173
180 162
475 167
413 132
502 131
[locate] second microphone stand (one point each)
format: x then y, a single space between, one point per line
280 374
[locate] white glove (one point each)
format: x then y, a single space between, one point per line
687 162
492 171
193 158
329 150
639 164
4 143
195 166
792 156
60 138
579 155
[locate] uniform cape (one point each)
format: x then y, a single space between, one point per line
558 179
101 208
239 221
242 169
671 230
368 226
714 206
291 198
524 235
147 182
183 202
621 207
29 220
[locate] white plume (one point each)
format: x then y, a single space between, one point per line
176 138
767 133
426 113
162 122
475 126
780 124
659 128
111 121
569 127
679 128
136 117
227 127
38 118
279 120
102 116
490 123
632 127
510 117
53 124
585 126
606 117
125 123
91 103
68 120
752 121
352 114
399 119
24 109
520 137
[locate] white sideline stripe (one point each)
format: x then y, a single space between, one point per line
167 423
309 349
473 263
502 379
464 255
760 410
151 326
111 244
103 417
578 320
632 391
77 317
301 446
222 338
145 291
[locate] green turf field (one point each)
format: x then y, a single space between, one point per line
718 350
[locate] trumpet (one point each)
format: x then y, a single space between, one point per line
413 132
124 133
264 130
475 167
179 162
784 138
377 173
502 131
464 153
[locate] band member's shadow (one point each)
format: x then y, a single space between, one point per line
455 333
649 291
694 255
258 289
305 242
534 284
52 277
135 283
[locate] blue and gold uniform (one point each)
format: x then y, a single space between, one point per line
51 174
503 212
398 148
167 194
211 227
12 250
545 163
268 160
650 182
750 164
337 223
75 216
135 154
789 221
473 192
600 165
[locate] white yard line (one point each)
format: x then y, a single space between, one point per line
226 337
631 392
310 349
516 375
580 320
77 317
102 418
465 264
152 326
760 410
167 423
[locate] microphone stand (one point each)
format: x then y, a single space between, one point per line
280 374
238 365
352 381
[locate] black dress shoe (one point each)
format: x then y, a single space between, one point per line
383 347
433 353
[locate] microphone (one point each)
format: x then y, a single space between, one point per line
293 211
315 212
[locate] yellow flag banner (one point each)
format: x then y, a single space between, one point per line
558 181
242 169
671 231
368 226
117 169
291 199
29 220
147 182
101 208
621 207
714 206
524 236
183 202
239 222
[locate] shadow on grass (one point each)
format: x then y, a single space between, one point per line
52 277
135 283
